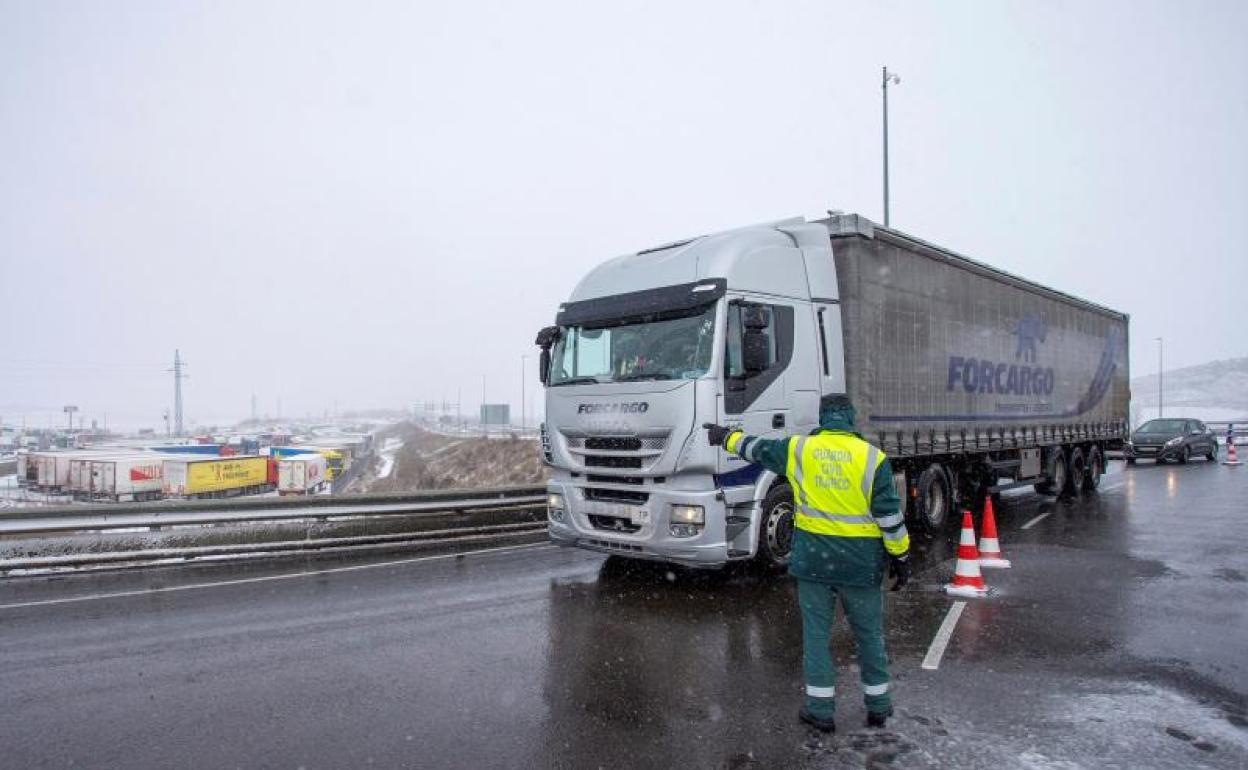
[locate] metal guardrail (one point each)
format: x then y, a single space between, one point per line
1220 430
426 519
97 518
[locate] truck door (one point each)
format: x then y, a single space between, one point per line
759 349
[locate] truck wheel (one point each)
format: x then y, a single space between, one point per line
935 498
775 533
1077 471
1096 468
1056 473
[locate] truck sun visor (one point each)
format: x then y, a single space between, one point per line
668 299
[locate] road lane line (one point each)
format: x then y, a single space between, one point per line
1036 520
267 578
931 661
1112 485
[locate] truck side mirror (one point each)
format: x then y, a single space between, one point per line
548 336
755 352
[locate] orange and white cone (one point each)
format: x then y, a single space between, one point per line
1231 457
967 580
989 547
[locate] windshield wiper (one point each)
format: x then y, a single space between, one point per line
644 376
576 381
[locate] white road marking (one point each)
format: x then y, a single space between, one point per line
1112 485
267 578
1036 520
931 661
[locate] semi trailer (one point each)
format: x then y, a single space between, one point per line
971 379
301 474
191 477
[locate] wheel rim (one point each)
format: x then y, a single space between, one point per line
780 532
1059 475
1094 468
935 505
1078 467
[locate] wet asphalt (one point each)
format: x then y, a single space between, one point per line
1118 639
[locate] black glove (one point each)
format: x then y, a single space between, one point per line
716 434
899 568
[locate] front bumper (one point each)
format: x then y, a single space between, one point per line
1151 452
621 528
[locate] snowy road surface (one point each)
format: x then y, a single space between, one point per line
1117 640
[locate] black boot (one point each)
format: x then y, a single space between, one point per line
878 718
822 724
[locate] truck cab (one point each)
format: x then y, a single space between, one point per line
740 328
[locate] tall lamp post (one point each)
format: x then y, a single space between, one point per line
896 80
523 413
1160 348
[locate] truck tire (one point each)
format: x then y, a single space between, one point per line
1056 471
935 500
775 531
1077 471
1096 468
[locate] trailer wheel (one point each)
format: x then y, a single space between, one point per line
1057 473
1096 468
934 500
775 532
1077 467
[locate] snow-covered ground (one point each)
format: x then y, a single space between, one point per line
388 451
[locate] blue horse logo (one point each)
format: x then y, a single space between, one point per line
1030 330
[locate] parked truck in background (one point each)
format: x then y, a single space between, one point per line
189 477
301 474
972 380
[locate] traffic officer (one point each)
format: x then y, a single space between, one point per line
847 518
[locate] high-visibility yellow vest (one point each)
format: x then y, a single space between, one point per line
832 475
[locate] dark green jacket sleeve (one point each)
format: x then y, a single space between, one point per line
887 511
771 454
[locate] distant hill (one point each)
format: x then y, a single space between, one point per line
1217 390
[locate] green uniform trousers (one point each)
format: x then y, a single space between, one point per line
864 607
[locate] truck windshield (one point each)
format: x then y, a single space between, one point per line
664 348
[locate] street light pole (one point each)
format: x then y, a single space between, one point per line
896 81
523 414
1160 347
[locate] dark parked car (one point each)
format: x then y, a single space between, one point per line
1171 439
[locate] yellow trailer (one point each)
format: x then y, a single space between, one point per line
216 476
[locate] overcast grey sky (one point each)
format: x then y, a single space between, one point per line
378 203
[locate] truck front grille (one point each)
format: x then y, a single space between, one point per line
613 524
611 461
616 495
637 452
614 443
594 478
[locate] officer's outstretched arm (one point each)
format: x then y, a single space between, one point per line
771 454
887 511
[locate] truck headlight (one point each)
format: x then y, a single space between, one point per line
687 520
688 514
554 506
1175 441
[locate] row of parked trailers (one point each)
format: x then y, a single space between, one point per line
137 475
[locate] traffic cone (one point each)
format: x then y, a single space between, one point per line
967 580
1231 457
989 547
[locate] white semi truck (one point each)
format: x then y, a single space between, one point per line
971 379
